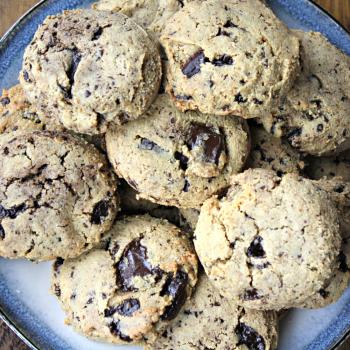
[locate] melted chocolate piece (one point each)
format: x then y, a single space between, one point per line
149 145
230 24
128 307
2 232
193 65
5 101
57 290
222 61
256 249
182 159
133 263
176 288
294 132
57 264
251 294
99 212
114 327
343 266
249 337
26 76
324 294
97 33
13 212
213 144
239 98
186 186
183 97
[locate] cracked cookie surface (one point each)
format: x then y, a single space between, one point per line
209 321
274 241
176 158
273 153
142 278
314 116
57 196
91 69
229 57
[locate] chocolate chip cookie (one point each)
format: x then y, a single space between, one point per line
142 278
176 158
209 321
314 116
273 153
229 57
274 241
57 196
91 69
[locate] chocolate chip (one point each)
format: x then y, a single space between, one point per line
97 33
176 288
133 263
193 65
239 98
339 188
320 127
318 103
26 76
100 212
2 232
5 101
230 24
13 212
57 264
324 294
149 146
128 307
343 266
114 328
110 312
251 294
57 290
222 32
206 137
249 337
181 3
257 102
223 60
256 249
294 132
182 159
183 97
187 186
87 93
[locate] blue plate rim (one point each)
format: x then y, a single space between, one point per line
21 333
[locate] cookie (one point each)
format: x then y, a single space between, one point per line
142 278
190 217
152 15
319 167
175 158
57 196
229 57
209 321
314 116
16 113
340 279
131 204
273 241
91 69
273 153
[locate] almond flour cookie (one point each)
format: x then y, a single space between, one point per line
152 15
330 166
57 196
142 278
131 204
91 69
273 153
209 321
176 158
229 57
274 241
339 281
315 115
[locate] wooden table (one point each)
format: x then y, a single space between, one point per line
10 10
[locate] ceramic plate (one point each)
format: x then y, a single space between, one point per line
25 303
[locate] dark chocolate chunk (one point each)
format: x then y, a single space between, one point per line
230 24
176 287
97 33
320 127
5 101
114 327
206 137
317 102
110 312
343 265
2 232
339 188
256 249
182 159
13 212
57 264
57 290
183 97
149 145
257 101
181 3
324 294
100 212
240 99
128 307
187 186
193 65
249 337
294 132
224 60
251 294
26 76
133 263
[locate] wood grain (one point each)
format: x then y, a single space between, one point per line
10 10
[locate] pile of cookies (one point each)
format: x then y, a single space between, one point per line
186 164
